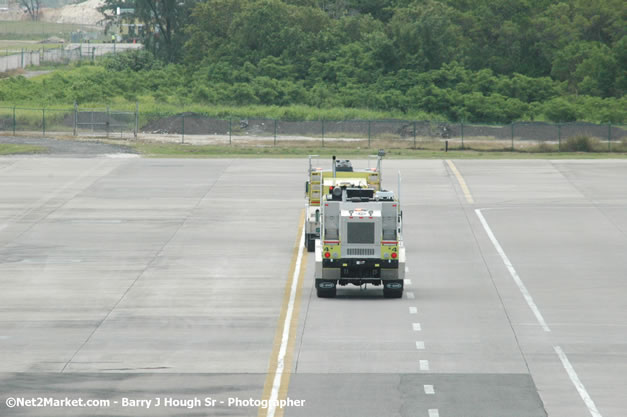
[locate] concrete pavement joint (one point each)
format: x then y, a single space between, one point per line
592 202
521 286
154 258
485 263
581 389
45 200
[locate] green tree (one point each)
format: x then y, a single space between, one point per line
425 35
164 22
587 67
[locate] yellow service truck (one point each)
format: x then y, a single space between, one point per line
320 181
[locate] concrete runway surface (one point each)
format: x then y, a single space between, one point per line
127 279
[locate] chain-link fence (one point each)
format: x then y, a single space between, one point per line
520 136
101 122
194 128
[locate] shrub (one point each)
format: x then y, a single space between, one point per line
542 147
581 144
134 60
560 110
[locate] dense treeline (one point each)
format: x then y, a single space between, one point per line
472 60
480 60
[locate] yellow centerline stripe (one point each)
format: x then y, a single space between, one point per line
283 319
461 181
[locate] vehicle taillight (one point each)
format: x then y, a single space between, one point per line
327 255
393 255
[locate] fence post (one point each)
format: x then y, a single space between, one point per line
414 134
13 120
108 121
462 129
136 119
609 137
75 118
369 127
182 126
559 137
93 54
512 136
22 64
230 129
43 121
322 132
275 122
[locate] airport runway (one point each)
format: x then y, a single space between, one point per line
166 279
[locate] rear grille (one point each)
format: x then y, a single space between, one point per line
360 251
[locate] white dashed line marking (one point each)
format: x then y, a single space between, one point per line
577 382
429 390
513 273
406 280
416 327
420 345
413 310
410 295
424 365
433 412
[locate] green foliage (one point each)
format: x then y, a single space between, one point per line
581 144
134 60
483 61
560 110
164 22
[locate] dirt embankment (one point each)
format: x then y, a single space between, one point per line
85 13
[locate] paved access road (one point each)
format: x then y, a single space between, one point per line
166 279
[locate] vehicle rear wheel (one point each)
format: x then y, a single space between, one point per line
393 288
326 292
325 289
392 293
310 240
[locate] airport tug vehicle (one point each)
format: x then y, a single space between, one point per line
361 239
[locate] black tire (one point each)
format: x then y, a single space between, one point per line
326 292
311 242
392 293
